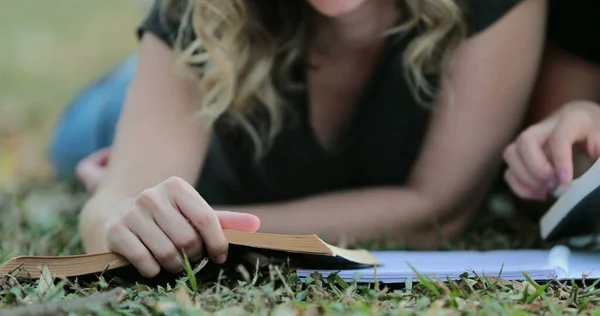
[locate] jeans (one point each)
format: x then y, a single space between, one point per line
90 120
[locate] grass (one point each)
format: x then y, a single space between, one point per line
52 49
42 221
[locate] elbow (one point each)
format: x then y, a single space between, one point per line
441 230
454 229
444 219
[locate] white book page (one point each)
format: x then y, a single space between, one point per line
442 264
557 263
584 265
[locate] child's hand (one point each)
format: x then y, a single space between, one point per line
156 226
541 159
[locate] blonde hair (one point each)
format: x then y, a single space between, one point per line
244 52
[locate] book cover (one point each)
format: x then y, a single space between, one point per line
576 212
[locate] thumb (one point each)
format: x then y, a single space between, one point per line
238 221
568 132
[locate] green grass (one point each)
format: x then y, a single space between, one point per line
43 220
52 49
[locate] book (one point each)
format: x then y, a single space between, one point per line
576 211
309 254
557 263
299 251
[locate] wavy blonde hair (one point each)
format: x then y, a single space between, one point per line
245 52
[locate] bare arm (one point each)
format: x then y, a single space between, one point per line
563 77
158 137
478 112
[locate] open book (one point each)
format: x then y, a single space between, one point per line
300 251
542 265
308 254
576 212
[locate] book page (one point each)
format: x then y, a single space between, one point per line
442 264
584 264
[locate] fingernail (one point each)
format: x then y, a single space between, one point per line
551 184
563 176
221 259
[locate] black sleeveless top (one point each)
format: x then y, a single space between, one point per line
378 148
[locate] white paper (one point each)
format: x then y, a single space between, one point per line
451 264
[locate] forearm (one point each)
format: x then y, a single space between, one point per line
563 77
142 155
403 214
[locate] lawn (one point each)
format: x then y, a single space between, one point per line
42 221
52 49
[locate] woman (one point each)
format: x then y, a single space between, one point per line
301 117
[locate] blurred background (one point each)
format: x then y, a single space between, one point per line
50 51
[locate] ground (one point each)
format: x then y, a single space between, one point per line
51 49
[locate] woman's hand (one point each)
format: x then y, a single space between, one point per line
92 168
541 159
166 220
